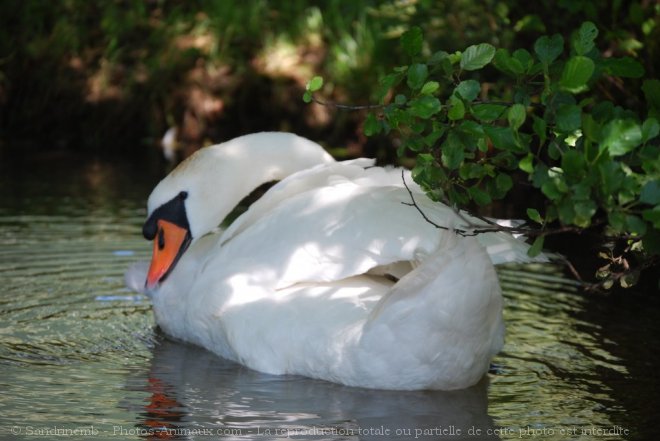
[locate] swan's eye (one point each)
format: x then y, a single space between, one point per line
161 239
150 229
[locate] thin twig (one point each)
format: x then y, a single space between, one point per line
347 106
414 204
458 231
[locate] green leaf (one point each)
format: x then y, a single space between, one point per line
554 149
590 128
501 137
414 143
453 152
472 128
611 177
635 225
653 215
568 118
566 211
650 129
438 57
617 221
488 112
534 215
396 117
468 89
307 97
417 74
503 182
540 128
456 109
524 58
430 87
620 136
554 187
315 84
584 39
412 41
584 211
470 170
650 193
576 74
623 67
436 133
371 125
526 164
441 61
549 48
536 247
400 99
581 190
425 106
386 83
479 196
477 56
417 127
573 164
505 160
507 64
516 116
651 90
539 175
603 111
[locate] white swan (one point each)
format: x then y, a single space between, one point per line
329 275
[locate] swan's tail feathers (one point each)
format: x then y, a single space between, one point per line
443 317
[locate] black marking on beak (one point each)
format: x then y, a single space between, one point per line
172 211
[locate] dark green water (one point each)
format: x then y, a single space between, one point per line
80 358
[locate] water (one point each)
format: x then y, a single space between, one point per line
80 356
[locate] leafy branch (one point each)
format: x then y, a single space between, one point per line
488 225
548 126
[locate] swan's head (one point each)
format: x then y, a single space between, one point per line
198 194
169 229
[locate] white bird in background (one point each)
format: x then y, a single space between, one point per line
329 275
169 143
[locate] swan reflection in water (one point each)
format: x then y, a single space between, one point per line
194 394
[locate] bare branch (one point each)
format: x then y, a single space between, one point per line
414 204
346 106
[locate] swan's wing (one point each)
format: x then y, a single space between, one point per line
445 318
296 285
500 246
334 232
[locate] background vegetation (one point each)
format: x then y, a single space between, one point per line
112 76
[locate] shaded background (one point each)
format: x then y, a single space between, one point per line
111 76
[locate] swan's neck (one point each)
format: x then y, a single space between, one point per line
217 178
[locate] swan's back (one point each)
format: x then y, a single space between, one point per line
305 282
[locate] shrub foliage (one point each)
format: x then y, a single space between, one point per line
594 163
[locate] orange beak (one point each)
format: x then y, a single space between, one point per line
169 244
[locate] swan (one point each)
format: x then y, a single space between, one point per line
331 274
